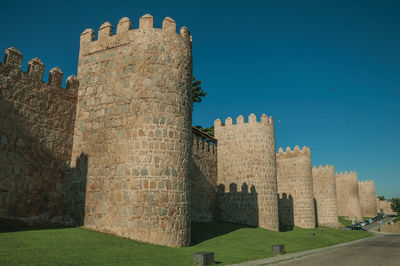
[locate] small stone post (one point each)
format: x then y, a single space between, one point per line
278 250
203 258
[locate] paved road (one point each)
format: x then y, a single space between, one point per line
373 226
384 250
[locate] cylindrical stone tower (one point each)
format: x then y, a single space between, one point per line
324 184
347 195
367 194
134 123
295 187
246 160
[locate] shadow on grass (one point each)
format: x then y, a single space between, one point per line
202 231
8 226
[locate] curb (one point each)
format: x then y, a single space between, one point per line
303 253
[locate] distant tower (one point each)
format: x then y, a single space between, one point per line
347 195
296 184
134 123
246 159
366 191
324 184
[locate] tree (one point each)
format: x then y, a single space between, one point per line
208 130
197 92
381 197
396 205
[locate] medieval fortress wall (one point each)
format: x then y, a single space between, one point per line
36 132
384 205
295 187
367 194
203 179
134 123
246 159
116 151
347 195
324 184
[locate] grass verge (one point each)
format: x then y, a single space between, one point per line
231 243
344 222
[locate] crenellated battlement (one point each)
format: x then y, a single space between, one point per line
293 153
201 144
370 182
13 60
346 173
252 119
323 167
124 27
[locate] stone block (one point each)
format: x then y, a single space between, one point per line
203 258
278 249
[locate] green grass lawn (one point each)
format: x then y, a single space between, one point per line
344 222
231 243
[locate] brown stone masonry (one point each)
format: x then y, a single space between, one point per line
295 188
246 160
347 195
134 123
37 119
324 184
367 194
385 206
203 177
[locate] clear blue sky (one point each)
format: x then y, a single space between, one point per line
282 58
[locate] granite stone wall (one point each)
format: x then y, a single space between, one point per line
37 184
324 184
385 206
347 195
246 159
295 188
134 123
238 206
367 194
203 179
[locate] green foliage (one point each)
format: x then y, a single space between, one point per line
395 220
197 92
381 197
231 243
208 130
396 205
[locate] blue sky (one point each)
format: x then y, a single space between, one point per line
327 71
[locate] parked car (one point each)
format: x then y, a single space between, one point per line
358 227
363 224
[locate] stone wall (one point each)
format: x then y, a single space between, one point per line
367 194
37 184
385 206
246 159
324 184
295 188
238 206
203 178
347 195
134 123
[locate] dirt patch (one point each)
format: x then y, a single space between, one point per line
391 228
